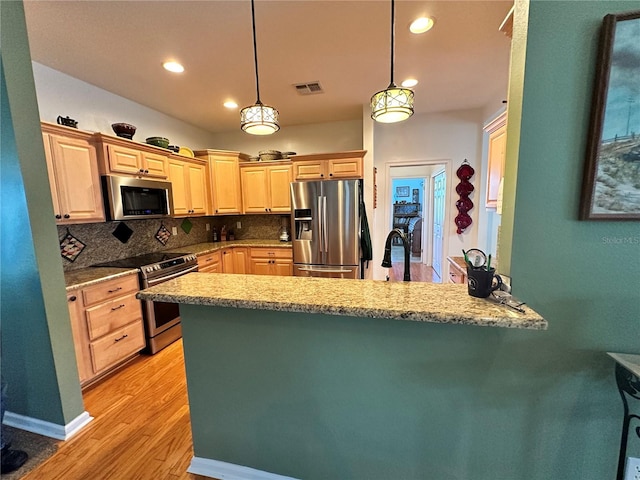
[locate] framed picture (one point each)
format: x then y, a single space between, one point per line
611 185
402 191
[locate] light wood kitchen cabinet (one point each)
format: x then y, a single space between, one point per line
74 180
271 261
209 263
496 154
329 166
265 188
122 156
224 179
457 270
107 326
189 186
235 260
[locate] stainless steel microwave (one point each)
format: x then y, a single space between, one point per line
130 198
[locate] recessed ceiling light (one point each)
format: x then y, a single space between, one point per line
410 82
421 25
174 67
231 104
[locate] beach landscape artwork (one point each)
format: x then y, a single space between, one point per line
611 188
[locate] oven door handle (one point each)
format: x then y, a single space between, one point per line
155 281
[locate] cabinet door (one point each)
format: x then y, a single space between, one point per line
313 170
178 176
345 168
226 186
197 188
124 160
241 263
154 165
254 189
279 178
283 267
261 266
496 156
76 172
79 333
57 210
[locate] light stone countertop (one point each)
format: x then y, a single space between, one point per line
85 277
210 247
75 279
628 360
414 301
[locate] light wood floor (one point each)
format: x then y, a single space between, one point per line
419 271
141 428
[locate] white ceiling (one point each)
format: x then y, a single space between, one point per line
119 46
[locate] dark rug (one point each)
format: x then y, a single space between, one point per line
38 447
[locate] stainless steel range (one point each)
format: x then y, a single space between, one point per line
162 320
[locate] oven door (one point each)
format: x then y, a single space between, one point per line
161 316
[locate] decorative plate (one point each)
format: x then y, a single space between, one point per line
465 172
186 151
464 188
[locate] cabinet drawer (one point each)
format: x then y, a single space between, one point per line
117 346
208 259
262 252
110 289
455 277
111 315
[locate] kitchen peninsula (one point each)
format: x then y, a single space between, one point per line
333 378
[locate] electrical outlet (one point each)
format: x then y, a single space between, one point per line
174 230
632 469
238 225
207 226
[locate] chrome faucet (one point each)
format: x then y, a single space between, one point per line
386 261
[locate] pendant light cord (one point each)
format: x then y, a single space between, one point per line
255 52
393 31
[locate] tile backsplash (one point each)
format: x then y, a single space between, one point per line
102 246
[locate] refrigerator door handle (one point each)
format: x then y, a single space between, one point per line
321 225
324 222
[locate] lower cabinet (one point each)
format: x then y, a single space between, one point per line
457 270
107 326
271 261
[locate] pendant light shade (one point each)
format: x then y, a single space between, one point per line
394 104
258 119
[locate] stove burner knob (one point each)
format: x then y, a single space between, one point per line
157 267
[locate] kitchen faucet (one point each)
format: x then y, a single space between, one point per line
386 261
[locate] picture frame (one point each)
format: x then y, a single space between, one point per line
402 191
611 181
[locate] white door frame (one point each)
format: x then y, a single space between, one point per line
388 204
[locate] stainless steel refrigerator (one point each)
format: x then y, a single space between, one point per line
325 218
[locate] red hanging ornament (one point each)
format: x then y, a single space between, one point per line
464 189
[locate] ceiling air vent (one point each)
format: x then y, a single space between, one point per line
310 88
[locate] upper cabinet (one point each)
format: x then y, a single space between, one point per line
224 179
121 156
189 185
265 187
497 130
329 166
73 175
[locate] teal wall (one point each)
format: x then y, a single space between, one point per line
38 359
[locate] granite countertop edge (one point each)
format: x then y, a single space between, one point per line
210 247
420 302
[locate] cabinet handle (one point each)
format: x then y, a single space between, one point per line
66 215
114 290
146 171
58 216
266 209
118 307
73 298
216 210
121 338
142 170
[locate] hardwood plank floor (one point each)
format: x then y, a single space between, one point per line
141 428
419 271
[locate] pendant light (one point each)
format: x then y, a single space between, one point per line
394 104
258 119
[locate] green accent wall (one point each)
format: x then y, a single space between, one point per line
38 358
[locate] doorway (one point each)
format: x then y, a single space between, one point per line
417 206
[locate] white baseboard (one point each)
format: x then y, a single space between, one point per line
48 429
229 471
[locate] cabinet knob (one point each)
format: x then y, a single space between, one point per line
266 209
146 171
142 170
331 174
66 215
73 298
322 175
58 216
